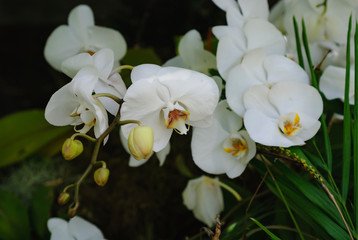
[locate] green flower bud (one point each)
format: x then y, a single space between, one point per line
63 198
73 210
71 148
101 176
140 142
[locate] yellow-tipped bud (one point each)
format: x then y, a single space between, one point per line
71 148
63 198
140 142
101 176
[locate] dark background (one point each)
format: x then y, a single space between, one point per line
137 203
27 81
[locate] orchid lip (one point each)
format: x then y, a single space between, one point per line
290 124
235 146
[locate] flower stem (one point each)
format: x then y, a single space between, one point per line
84 136
129 121
95 152
231 190
115 98
120 68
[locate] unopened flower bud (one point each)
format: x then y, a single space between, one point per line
73 210
63 198
140 142
101 176
71 148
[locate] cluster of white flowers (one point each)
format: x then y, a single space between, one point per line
269 99
327 26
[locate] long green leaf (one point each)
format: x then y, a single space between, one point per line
327 143
347 122
40 207
355 132
14 220
24 133
298 43
273 236
322 216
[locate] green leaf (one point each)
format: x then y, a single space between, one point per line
136 56
308 201
40 206
327 143
273 236
298 44
25 133
347 122
14 220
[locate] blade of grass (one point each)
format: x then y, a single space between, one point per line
273 236
327 143
285 202
355 130
347 122
298 44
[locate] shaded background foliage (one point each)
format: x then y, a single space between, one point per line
137 203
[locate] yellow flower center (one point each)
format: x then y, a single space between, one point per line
236 147
290 124
176 119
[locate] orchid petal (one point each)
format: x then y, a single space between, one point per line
280 68
208 153
59 229
229 54
136 163
225 5
254 8
84 230
260 33
264 130
288 96
196 91
211 203
117 82
256 97
103 60
61 105
162 154
79 19
60 45
188 45
109 104
144 71
332 82
228 120
73 64
176 61
102 37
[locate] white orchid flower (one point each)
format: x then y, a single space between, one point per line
332 83
73 104
235 42
192 54
76 229
108 82
81 35
322 23
284 115
223 147
161 155
237 12
257 68
167 98
204 197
